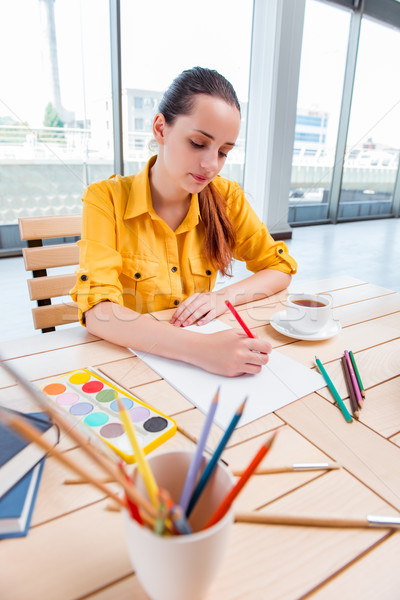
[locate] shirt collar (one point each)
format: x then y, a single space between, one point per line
192 217
139 201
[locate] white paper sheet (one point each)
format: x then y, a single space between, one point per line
280 382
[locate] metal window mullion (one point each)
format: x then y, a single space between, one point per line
396 193
116 83
344 119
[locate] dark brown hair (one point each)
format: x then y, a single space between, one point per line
220 235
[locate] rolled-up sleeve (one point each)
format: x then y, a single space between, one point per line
99 262
254 244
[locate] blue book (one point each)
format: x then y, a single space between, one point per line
17 455
16 506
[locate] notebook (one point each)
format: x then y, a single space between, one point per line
16 506
17 455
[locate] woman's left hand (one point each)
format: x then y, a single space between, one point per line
200 308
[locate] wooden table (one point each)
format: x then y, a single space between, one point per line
76 547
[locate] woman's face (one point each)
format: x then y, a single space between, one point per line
195 146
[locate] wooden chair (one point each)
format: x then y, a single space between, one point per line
39 257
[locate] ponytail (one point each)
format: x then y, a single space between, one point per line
220 235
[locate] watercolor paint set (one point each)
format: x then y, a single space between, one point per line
92 401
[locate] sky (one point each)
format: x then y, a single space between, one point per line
160 39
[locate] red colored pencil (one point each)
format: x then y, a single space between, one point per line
229 498
239 319
133 508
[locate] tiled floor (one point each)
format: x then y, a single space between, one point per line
369 250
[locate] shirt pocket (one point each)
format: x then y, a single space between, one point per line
203 274
139 279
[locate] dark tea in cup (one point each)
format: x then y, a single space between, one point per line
309 303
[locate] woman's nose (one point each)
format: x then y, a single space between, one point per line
210 160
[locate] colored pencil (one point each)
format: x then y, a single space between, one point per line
293 468
226 503
353 400
194 439
372 521
251 335
105 459
179 520
80 480
212 463
197 456
334 391
353 378
133 508
360 383
143 465
239 319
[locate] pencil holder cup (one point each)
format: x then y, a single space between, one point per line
179 567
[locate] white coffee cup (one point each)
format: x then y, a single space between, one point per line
308 313
178 567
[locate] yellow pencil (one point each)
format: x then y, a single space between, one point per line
141 461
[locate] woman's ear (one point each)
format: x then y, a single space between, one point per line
159 128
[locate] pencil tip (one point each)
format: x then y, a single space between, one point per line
216 397
271 439
241 407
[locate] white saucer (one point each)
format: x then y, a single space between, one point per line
280 323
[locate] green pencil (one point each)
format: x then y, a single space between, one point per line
334 391
353 360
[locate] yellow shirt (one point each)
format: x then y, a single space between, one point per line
130 256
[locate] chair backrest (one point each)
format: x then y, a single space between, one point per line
39 257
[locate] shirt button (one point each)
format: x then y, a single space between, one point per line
208 272
280 250
83 277
137 275
176 302
174 269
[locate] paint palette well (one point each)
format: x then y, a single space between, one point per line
92 400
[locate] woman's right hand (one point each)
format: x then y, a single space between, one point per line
231 353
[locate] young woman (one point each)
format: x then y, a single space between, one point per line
157 240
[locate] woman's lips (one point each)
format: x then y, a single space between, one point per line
199 178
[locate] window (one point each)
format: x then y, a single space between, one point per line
323 60
218 36
373 144
53 136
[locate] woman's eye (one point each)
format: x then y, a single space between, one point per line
224 154
196 145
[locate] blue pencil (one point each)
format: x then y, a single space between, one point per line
214 459
197 457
